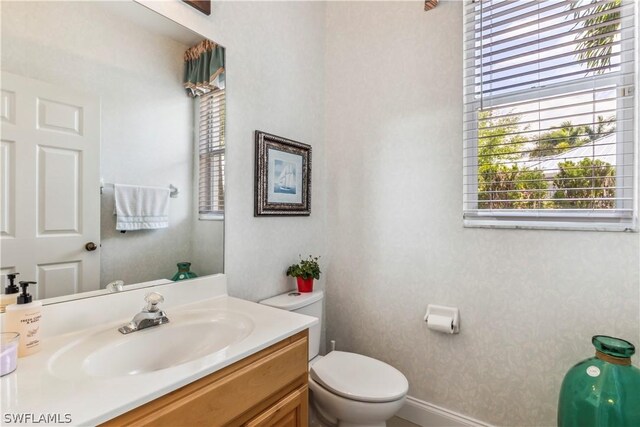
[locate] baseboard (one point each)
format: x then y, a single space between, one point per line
427 414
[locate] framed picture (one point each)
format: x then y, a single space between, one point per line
203 6
283 176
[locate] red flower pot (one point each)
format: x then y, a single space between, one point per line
305 285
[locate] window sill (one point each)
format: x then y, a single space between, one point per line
211 217
551 225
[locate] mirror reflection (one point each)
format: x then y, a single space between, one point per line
112 165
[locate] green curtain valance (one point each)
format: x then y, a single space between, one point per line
203 68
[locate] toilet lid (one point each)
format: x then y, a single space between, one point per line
359 377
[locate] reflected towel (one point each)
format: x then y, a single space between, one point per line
141 208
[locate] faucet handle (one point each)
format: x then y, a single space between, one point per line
115 286
153 299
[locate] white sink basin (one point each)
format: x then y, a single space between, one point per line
190 335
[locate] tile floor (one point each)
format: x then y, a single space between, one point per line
393 422
400 422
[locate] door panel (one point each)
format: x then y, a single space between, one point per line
8 106
7 189
59 117
59 207
59 279
50 199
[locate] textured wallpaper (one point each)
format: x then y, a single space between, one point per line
275 84
530 300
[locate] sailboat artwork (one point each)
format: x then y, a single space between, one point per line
282 176
285 183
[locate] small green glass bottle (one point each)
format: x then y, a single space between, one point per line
602 391
184 272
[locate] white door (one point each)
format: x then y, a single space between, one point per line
49 185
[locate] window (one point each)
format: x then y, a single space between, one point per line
549 114
211 147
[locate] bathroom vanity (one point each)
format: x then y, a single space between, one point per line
267 388
219 361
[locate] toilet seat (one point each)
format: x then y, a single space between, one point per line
361 378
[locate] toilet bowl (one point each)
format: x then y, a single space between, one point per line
346 389
335 410
350 389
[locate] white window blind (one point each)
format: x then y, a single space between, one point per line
549 114
211 148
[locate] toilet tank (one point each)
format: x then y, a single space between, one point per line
309 303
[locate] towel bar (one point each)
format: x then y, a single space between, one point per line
173 194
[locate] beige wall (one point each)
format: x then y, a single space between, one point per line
530 300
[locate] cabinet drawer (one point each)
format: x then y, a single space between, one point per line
291 411
232 395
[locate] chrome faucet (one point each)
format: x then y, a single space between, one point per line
116 286
150 316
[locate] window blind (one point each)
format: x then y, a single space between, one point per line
211 143
549 113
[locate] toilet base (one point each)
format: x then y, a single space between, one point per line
332 410
345 424
317 420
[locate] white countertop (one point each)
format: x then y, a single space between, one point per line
33 390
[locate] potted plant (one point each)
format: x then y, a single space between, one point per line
304 272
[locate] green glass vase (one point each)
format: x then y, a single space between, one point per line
184 272
603 390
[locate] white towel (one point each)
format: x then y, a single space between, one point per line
141 208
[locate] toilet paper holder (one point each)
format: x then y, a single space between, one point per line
440 312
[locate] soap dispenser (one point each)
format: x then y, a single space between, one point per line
10 295
24 318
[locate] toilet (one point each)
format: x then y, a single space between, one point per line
347 389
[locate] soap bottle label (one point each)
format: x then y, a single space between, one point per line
32 338
29 327
30 324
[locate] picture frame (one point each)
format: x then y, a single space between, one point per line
282 176
203 6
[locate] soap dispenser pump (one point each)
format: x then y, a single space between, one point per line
10 295
25 297
24 318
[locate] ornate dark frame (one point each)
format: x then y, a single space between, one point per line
203 6
264 142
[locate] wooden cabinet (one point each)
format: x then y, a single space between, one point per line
268 388
291 411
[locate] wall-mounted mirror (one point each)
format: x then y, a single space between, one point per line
93 97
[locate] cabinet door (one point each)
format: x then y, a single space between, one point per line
291 411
